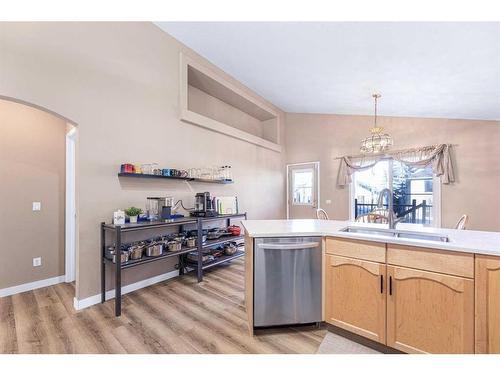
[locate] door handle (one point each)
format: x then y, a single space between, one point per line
390 285
287 246
381 283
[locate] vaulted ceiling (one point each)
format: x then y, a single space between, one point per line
444 70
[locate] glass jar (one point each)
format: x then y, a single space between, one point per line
146 168
152 208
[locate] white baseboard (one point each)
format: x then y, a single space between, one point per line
31 286
93 300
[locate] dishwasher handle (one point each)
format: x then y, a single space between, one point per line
288 246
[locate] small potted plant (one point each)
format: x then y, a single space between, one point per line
132 213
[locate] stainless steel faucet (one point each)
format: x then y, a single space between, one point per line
391 217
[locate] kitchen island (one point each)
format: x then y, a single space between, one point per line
396 290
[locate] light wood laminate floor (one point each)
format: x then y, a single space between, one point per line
176 316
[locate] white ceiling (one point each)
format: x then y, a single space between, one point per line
446 70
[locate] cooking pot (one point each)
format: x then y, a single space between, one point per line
179 239
136 251
214 234
203 239
194 233
174 246
230 249
154 249
234 230
110 251
217 252
124 256
191 241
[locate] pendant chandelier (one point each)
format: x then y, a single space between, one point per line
378 141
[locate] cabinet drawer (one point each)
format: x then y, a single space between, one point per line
451 263
366 250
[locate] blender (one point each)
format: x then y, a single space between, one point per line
159 208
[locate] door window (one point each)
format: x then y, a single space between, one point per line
302 186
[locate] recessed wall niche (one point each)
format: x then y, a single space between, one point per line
211 101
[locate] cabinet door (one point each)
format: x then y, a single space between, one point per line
429 312
355 296
487 304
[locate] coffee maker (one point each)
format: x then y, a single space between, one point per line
203 205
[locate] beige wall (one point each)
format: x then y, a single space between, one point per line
32 169
216 109
312 137
120 83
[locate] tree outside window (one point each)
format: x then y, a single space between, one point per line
413 192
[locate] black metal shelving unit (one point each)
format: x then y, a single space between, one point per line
118 230
145 260
160 177
213 243
223 259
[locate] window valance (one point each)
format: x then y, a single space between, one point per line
438 156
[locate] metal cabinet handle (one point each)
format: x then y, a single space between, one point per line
287 246
390 285
381 283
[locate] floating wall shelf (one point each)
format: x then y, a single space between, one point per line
210 100
158 177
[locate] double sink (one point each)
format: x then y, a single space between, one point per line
398 233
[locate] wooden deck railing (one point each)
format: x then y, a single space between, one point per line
412 213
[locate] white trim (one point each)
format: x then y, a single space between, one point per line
318 201
80 304
70 231
351 198
436 204
318 190
287 193
219 127
31 286
94 300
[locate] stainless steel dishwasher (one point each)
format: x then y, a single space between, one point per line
287 281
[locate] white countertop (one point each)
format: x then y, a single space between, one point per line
469 241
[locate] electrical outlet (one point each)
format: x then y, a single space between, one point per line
328 201
37 206
37 262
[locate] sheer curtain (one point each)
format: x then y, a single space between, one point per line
438 156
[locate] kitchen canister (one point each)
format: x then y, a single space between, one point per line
119 217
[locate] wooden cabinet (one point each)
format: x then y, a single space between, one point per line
429 312
487 304
432 260
366 250
416 300
355 297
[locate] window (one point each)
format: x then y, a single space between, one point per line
414 191
302 186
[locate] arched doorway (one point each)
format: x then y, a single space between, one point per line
38 164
